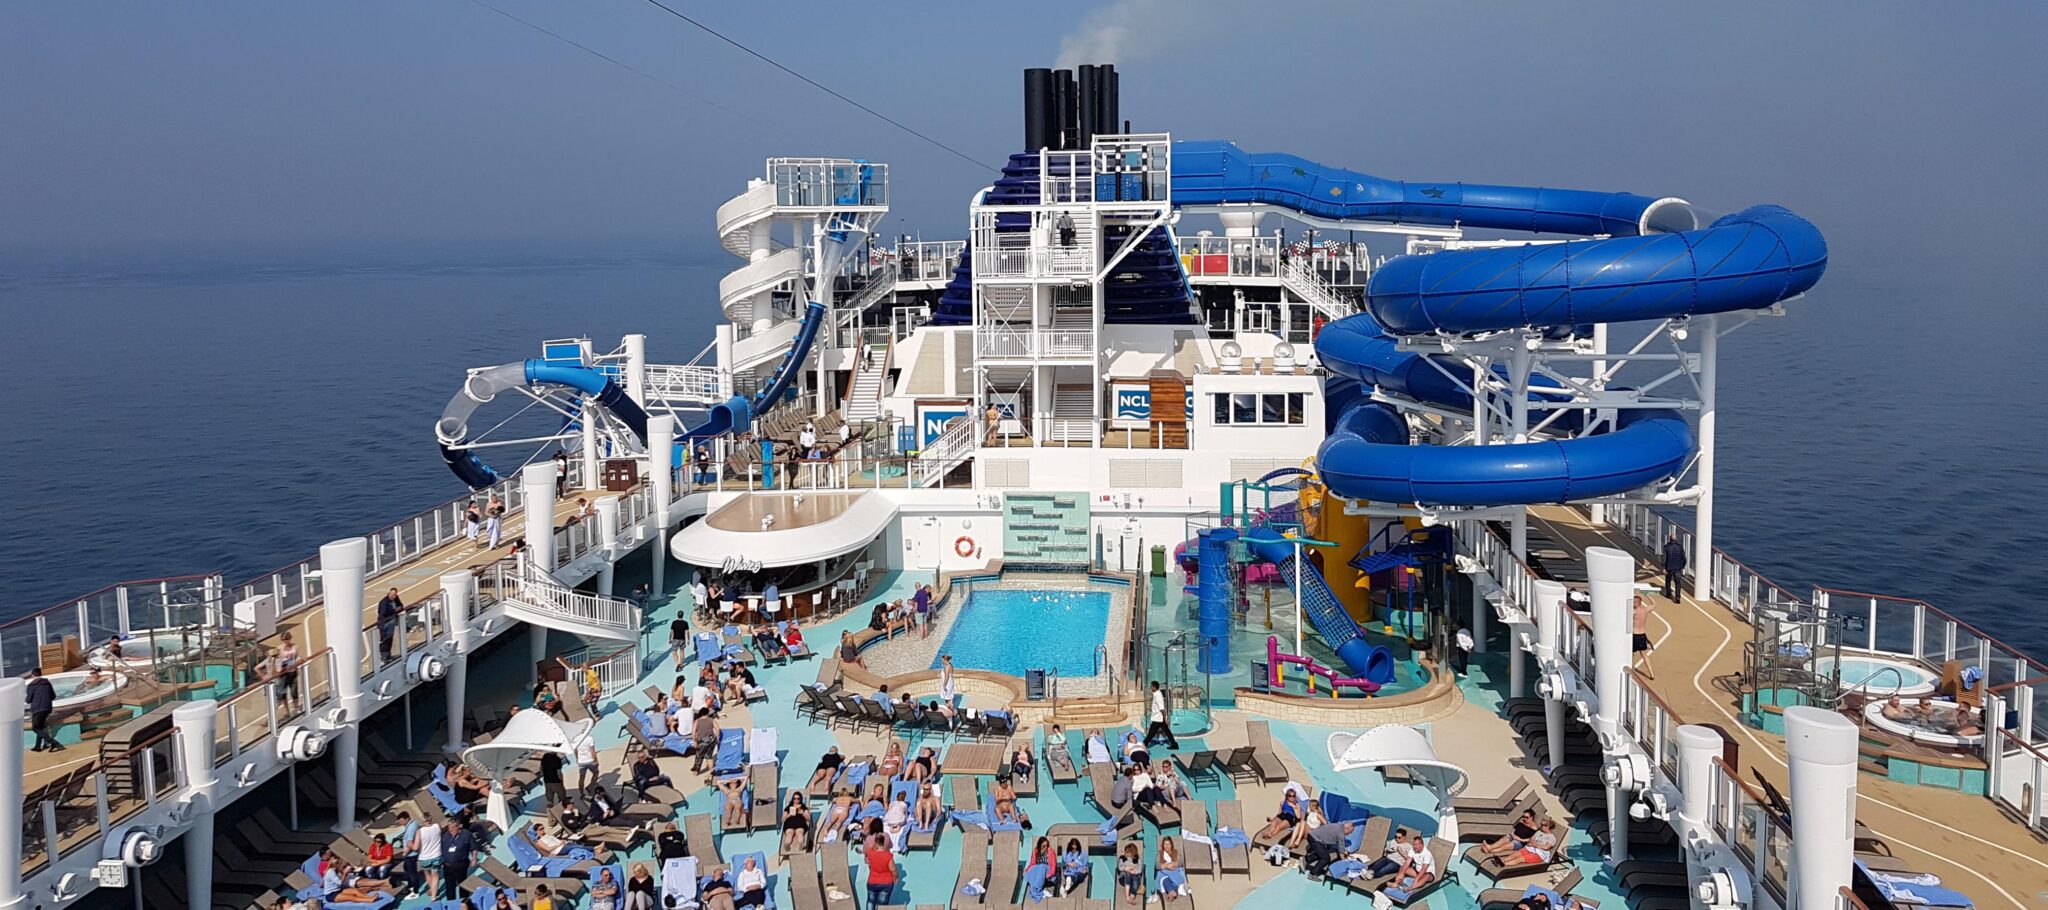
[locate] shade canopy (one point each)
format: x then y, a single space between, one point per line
1396 744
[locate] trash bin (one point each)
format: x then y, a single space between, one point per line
1034 684
1158 561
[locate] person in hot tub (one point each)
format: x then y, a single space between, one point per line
1894 711
1967 722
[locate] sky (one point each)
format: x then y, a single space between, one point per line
140 129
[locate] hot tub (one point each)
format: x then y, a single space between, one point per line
149 648
1884 677
1934 730
73 690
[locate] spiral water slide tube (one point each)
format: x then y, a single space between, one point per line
1661 258
734 415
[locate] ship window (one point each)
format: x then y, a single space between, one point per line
1222 413
1244 409
1273 408
1296 404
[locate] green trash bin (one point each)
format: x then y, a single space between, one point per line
1158 561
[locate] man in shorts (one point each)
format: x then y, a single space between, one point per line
1639 646
679 639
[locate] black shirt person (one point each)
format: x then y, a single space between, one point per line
1674 565
42 699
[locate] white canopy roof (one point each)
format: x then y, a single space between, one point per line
805 528
1397 744
526 733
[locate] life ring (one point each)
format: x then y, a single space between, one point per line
965 547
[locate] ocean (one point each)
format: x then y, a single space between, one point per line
197 416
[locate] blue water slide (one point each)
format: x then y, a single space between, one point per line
1361 657
1662 259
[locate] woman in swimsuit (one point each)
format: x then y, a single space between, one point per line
796 822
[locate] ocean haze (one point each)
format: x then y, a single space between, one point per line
251 247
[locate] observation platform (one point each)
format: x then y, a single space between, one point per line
768 530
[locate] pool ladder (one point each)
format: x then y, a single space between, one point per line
1843 696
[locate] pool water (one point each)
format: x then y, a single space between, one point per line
1012 630
1910 680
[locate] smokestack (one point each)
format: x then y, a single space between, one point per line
1062 131
1089 111
1111 99
1038 109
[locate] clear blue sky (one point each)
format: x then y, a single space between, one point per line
141 127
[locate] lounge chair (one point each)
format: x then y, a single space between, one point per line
703 844
1238 763
1059 762
1198 765
1266 758
1506 800
762 813
1495 897
973 865
1198 858
837 879
495 870
1235 860
1005 868
1492 866
1162 815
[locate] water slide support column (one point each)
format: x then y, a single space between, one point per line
194 723
1822 747
589 480
608 541
1703 509
458 592
1598 512
661 444
636 367
343 567
1549 609
1612 577
1519 367
537 481
13 710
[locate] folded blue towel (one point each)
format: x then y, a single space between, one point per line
1230 837
1346 868
1108 826
1173 880
974 817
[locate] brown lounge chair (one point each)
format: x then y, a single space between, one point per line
1194 820
805 891
1494 868
1439 850
1496 897
1259 736
1005 869
703 845
1233 860
1496 805
973 863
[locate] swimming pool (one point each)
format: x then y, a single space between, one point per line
1909 680
1010 630
77 687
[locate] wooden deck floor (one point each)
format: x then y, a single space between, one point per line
1962 838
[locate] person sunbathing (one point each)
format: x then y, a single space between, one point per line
828 768
796 822
1095 750
924 767
342 886
1169 783
717 891
892 760
1021 764
767 643
1297 839
792 639
930 810
1007 813
896 824
1537 851
838 815
1525 828
877 801
735 791
1283 821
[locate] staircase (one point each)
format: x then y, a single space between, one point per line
948 451
534 596
1301 280
1073 414
864 396
1077 258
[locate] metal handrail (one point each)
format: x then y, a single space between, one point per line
1865 684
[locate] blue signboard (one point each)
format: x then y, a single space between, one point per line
1133 402
933 422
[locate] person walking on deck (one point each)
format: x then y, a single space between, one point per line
42 699
472 521
388 611
1674 566
494 520
1159 728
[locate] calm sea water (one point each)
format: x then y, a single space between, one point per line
197 418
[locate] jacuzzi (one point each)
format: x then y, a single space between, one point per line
73 691
1885 677
1919 731
149 648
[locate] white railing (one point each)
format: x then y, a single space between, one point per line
539 593
1065 176
952 447
1298 277
928 260
1031 343
666 382
1734 585
828 182
617 669
1033 253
